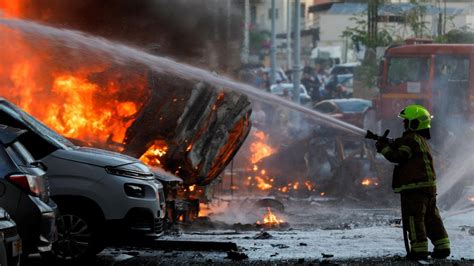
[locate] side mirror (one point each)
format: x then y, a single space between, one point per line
40 165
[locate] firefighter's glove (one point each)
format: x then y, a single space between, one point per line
380 145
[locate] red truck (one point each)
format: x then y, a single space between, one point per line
438 76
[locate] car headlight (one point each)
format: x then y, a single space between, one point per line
131 170
134 190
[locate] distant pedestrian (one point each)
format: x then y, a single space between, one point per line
311 84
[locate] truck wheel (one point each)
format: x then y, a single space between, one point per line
78 236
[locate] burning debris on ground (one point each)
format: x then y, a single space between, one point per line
271 185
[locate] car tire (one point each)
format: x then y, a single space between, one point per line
78 235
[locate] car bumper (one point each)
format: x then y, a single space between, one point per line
12 246
47 228
139 223
48 232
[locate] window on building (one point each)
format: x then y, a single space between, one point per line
270 13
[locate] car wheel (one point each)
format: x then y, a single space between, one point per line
77 237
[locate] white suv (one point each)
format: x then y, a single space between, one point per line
102 196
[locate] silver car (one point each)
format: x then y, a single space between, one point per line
102 196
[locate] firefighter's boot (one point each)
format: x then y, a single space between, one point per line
441 249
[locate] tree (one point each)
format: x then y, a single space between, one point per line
414 18
461 35
359 35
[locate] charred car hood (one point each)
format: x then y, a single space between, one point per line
95 157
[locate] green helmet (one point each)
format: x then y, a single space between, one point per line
418 117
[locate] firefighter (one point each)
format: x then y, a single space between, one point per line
415 179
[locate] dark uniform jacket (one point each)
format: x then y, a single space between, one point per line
414 169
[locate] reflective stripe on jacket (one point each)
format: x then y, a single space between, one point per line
414 167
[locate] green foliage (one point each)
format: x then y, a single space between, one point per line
415 19
359 34
367 72
461 35
258 39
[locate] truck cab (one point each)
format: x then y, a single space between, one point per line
438 76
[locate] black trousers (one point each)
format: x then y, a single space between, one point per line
420 216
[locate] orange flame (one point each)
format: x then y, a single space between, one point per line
309 185
12 8
296 185
259 148
153 155
82 98
270 219
204 210
263 184
191 188
369 182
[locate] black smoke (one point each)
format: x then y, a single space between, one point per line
178 28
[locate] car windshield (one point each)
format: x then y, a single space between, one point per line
42 129
398 72
342 70
353 106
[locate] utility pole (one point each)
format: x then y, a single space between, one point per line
273 47
297 49
288 34
244 55
372 17
444 21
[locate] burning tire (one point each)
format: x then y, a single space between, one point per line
78 236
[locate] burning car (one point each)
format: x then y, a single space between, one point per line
98 192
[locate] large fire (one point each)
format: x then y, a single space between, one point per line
12 8
79 97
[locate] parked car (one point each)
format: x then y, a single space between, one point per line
10 242
280 75
351 110
340 75
347 68
101 195
24 193
280 88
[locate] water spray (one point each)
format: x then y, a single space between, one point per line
123 54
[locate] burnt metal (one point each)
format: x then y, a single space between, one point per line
203 127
